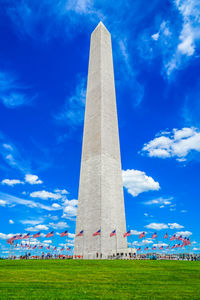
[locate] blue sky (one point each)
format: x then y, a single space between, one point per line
43 73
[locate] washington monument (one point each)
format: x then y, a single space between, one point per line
101 199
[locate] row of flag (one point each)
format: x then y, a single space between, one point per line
36 235
162 247
41 247
142 235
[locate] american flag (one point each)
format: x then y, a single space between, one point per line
26 245
161 248
36 235
138 249
62 249
166 236
173 247
48 247
50 234
16 245
40 247
154 235
167 247
34 247
179 238
154 248
10 240
176 246
146 248
97 233
142 234
22 246
173 237
26 236
128 233
64 233
113 233
18 237
186 241
69 248
80 233
54 248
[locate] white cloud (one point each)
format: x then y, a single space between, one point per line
37 228
72 202
11 182
159 201
160 244
5 236
11 200
69 211
32 179
135 232
184 233
47 241
175 226
146 214
137 182
157 226
73 110
12 93
183 211
155 36
54 218
45 195
196 249
56 205
189 35
31 222
80 6
59 225
63 192
178 144
143 242
2 203
11 221
71 235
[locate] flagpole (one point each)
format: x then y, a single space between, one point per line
157 240
83 244
116 241
100 242
9 250
169 247
131 245
52 247
66 244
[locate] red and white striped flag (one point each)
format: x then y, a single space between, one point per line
166 236
113 233
154 235
36 235
64 233
142 234
50 234
97 233
173 237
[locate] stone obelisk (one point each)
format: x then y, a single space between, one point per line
101 199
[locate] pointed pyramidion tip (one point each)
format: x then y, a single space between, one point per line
101 25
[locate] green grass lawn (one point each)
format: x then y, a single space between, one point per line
60 279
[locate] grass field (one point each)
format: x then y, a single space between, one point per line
60 279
